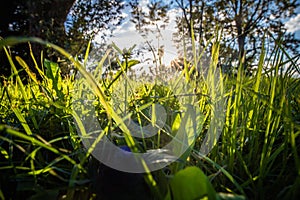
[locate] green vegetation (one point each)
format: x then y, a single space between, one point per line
256 156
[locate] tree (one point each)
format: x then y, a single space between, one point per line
89 18
249 20
67 23
44 19
151 21
244 24
195 28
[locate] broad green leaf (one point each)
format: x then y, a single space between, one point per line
191 184
53 73
131 63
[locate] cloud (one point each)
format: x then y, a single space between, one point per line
125 35
126 26
126 39
293 24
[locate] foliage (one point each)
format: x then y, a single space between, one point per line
156 13
87 19
244 23
43 156
69 23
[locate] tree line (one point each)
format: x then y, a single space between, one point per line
71 24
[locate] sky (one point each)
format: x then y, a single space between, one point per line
293 24
125 36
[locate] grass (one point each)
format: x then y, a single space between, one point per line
253 122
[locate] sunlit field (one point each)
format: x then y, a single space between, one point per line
244 141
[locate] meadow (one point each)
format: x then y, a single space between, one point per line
252 120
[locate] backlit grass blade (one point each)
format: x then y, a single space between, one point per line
25 66
12 132
22 120
21 85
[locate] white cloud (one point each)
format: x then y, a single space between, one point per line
125 36
126 39
293 24
127 26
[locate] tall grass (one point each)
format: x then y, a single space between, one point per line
256 155
258 143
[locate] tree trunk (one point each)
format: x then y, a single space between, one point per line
46 21
239 20
43 14
241 43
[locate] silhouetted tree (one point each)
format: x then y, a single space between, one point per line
67 23
244 24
